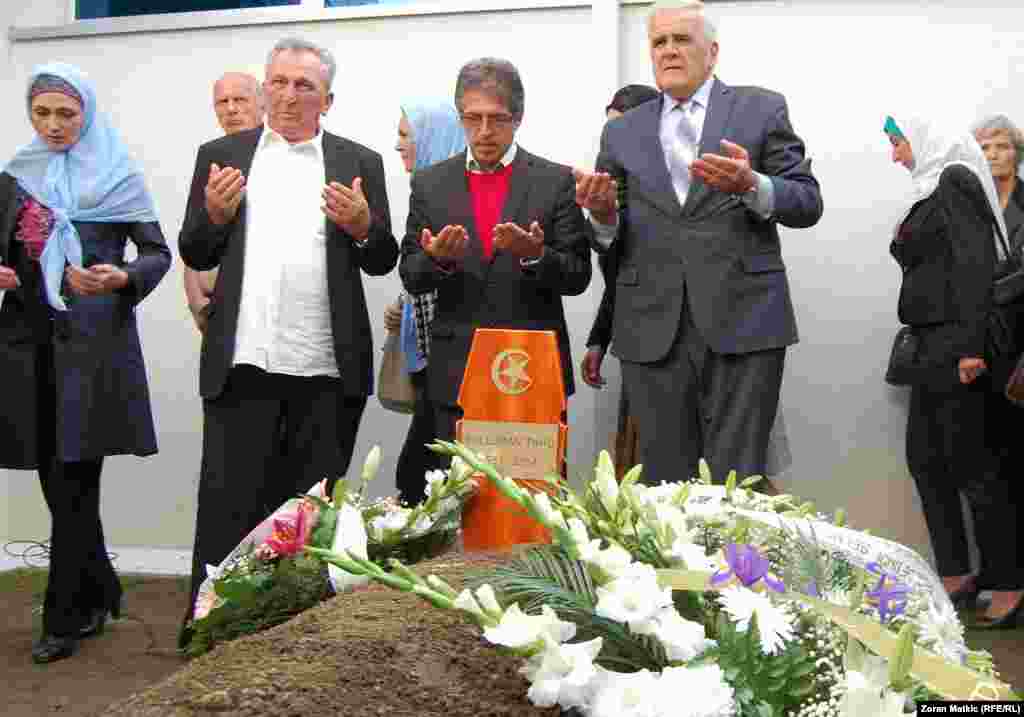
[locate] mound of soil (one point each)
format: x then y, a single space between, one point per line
374 651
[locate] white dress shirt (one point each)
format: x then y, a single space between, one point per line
760 200
284 321
506 159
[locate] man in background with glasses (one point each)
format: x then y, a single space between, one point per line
496 231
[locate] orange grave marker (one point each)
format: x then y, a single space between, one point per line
513 398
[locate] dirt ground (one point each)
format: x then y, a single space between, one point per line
371 652
132 654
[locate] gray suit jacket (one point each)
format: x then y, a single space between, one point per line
713 250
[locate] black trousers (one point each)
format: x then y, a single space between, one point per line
965 440
696 403
267 438
81 577
415 459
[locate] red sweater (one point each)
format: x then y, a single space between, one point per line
488 192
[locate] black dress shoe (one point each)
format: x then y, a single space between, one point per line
1006 622
53 647
95 626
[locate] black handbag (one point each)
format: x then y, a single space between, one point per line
904 369
1004 317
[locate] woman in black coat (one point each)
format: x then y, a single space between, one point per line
75 387
948 245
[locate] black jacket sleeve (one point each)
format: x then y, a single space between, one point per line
970 230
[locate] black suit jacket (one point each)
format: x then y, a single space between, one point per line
498 293
204 245
713 250
946 249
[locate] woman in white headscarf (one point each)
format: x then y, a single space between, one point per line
74 383
948 244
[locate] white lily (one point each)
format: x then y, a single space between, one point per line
707 693
868 693
371 466
625 694
605 483
683 639
435 479
562 674
466 602
633 598
518 630
488 601
550 514
692 556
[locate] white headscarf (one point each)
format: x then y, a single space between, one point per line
936 148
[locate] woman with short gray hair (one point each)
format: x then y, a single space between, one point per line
1003 144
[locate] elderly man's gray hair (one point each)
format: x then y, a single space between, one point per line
297 44
495 76
1002 123
710 26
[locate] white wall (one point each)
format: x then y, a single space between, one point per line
842 65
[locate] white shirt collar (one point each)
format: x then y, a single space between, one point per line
270 137
701 97
473 166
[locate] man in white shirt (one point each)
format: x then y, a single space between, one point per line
292 215
238 104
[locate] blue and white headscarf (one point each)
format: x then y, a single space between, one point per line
94 180
438 135
436 130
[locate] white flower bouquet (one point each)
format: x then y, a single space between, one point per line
690 599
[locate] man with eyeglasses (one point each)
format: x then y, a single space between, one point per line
496 231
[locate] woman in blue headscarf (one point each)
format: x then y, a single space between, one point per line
429 132
75 386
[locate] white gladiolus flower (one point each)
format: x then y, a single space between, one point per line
467 603
551 516
633 598
612 562
562 674
774 623
706 692
487 600
683 639
622 694
519 630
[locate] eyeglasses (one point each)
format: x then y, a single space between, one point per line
475 121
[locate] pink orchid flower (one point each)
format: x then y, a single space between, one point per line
291 531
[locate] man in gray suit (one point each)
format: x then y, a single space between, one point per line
692 186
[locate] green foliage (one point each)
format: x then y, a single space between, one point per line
283 591
765 685
327 522
546 575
